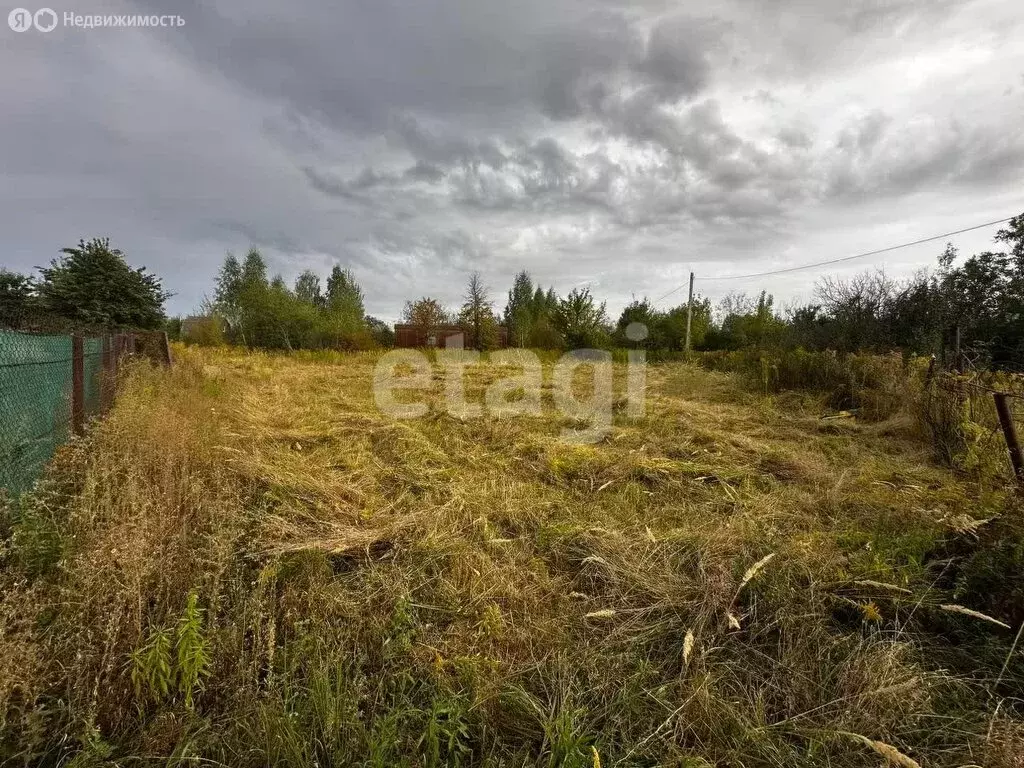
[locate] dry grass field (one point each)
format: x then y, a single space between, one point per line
248 564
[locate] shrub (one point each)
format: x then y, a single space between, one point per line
205 332
876 384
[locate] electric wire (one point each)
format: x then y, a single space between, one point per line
840 260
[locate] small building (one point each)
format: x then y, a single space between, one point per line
440 336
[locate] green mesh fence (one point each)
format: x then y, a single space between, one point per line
35 404
93 369
36 379
38 392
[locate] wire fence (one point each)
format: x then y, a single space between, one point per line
994 402
50 385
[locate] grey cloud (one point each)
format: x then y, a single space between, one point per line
330 185
418 141
430 147
588 70
795 137
816 41
877 157
424 171
862 137
677 56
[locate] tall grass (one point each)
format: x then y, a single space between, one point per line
247 564
877 385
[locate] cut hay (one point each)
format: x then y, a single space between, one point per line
439 591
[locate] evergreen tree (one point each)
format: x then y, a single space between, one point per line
227 296
477 315
92 285
229 282
255 320
538 305
254 271
519 312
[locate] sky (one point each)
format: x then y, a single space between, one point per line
595 143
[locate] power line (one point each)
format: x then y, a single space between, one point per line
862 255
842 259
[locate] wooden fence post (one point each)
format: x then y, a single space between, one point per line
77 383
1010 433
165 347
107 377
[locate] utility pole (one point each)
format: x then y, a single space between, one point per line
689 316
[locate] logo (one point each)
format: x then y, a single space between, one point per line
45 19
22 19
19 19
588 410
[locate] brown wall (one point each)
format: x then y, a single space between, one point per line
413 336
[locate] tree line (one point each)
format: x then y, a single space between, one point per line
251 309
974 304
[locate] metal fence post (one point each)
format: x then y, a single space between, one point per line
77 383
1010 433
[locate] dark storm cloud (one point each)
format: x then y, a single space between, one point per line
417 141
501 64
355 65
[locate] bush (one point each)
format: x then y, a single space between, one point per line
992 577
878 385
206 332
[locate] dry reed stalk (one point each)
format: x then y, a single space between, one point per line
881 585
953 608
687 647
888 751
751 572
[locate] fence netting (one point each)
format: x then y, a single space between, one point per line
42 401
